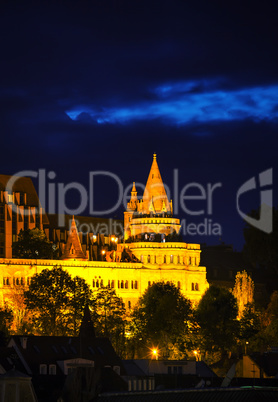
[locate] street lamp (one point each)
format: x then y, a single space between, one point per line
246 344
196 355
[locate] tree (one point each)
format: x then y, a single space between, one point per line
270 333
162 318
216 315
109 316
22 318
250 323
243 291
57 301
6 317
261 248
32 243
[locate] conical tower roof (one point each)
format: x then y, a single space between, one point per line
73 249
132 204
155 196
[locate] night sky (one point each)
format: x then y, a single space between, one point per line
101 85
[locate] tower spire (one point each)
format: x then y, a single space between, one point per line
73 249
155 196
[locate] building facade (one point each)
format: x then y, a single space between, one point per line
151 251
20 209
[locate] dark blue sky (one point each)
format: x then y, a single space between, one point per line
102 85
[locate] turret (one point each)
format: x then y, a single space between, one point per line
155 199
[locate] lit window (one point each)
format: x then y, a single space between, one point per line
6 281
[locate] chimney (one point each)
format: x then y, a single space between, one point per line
23 341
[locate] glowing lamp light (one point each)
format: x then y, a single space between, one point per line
196 354
155 353
103 252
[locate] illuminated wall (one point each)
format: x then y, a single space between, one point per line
129 280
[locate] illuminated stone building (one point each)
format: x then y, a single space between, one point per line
19 209
151 251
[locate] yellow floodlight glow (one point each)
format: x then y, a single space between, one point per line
154 352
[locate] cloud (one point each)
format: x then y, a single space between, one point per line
184 103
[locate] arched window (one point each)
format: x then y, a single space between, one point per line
97 283
179 284
126 284
112 284
192 286
129 304
149 258
171 258
131 284
122 284
93 284
165 259
136 285
196 286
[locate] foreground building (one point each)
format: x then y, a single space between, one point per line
151 251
